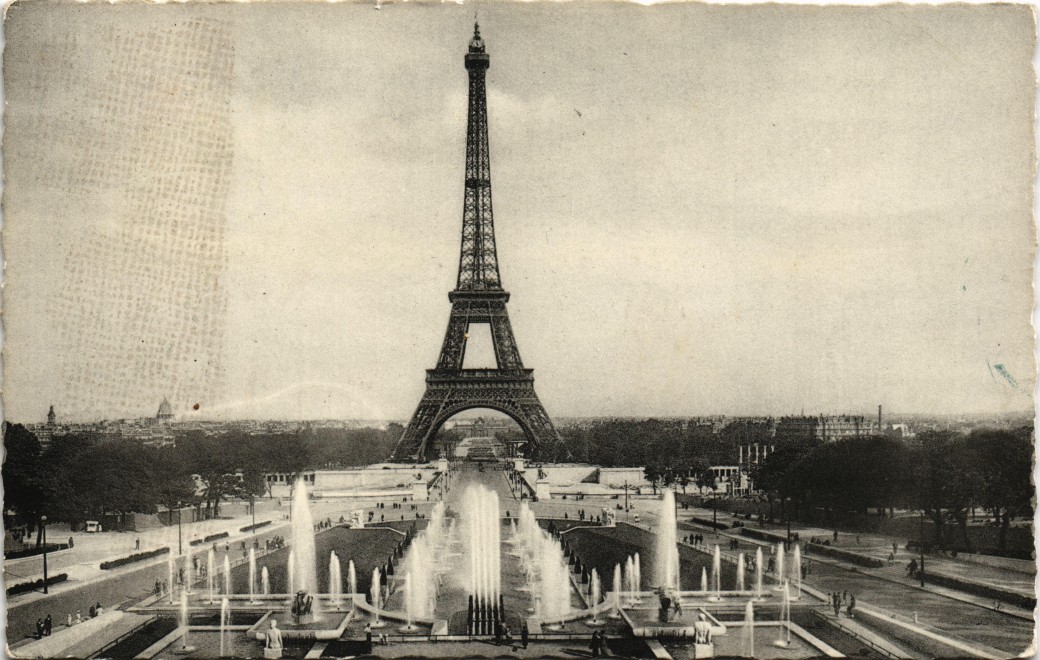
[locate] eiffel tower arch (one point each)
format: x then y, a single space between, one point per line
478 298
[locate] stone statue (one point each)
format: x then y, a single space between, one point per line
302 604
273 642
702 644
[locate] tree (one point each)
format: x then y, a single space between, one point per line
946 481
1004 460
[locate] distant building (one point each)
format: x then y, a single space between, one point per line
165 410
51 417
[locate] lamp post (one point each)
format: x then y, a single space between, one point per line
180 547
252 510
787 508
43 532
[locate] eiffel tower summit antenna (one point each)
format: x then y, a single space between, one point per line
478 298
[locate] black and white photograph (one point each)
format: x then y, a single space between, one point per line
736 360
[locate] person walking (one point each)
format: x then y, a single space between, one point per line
852 605
368 636
47 623
836 603
39 628
524 635
594 644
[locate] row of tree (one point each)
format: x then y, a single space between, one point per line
87 476
944 474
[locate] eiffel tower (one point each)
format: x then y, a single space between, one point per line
478 298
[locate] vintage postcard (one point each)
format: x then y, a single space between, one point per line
736 361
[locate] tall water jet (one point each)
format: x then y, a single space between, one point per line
758 573
335 579
666 557
616 612
252 575
749 631
265 582
740 572
225 619
185 647
638 576
630 580
227 576
785 617
211 572
483 529
189 572
305 573
716 572
704 579
352 577
796 566
594 596
376 592
780 566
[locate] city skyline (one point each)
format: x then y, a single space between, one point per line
690 221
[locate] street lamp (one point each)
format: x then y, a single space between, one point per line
180 548
43 532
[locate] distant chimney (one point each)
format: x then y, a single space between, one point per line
879 419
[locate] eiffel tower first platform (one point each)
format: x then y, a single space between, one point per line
478 298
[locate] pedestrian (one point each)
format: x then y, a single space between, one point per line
836 603
165 587
594 644
368 636
845 596
895 548
72 543
79 616
137 544
39 628
68 622
93 612
852 605
524 634
47 623
98 609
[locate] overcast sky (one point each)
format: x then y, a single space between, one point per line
699 209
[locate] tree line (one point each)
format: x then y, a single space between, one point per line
944 474
86 476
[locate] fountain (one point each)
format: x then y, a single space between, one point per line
211 571
351 577
666 557
376 592
630 581
185 648
304 560
780 566
758 573
225 620
740 572
704 580
483 531
796 566
616 611
749 631
227 575
335 580
265 582
637 578
716 573
252 575
785 617
594 587
189 572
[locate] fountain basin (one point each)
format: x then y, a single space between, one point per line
330 625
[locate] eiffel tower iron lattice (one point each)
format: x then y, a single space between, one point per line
478 298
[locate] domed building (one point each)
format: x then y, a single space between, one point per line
165 411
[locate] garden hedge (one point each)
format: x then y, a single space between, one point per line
249 528
214 537
984 590
140 556
25 587
51 547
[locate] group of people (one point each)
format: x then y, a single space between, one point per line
44 626
598 645
274 543
323 524
697 539
843 598
161 588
